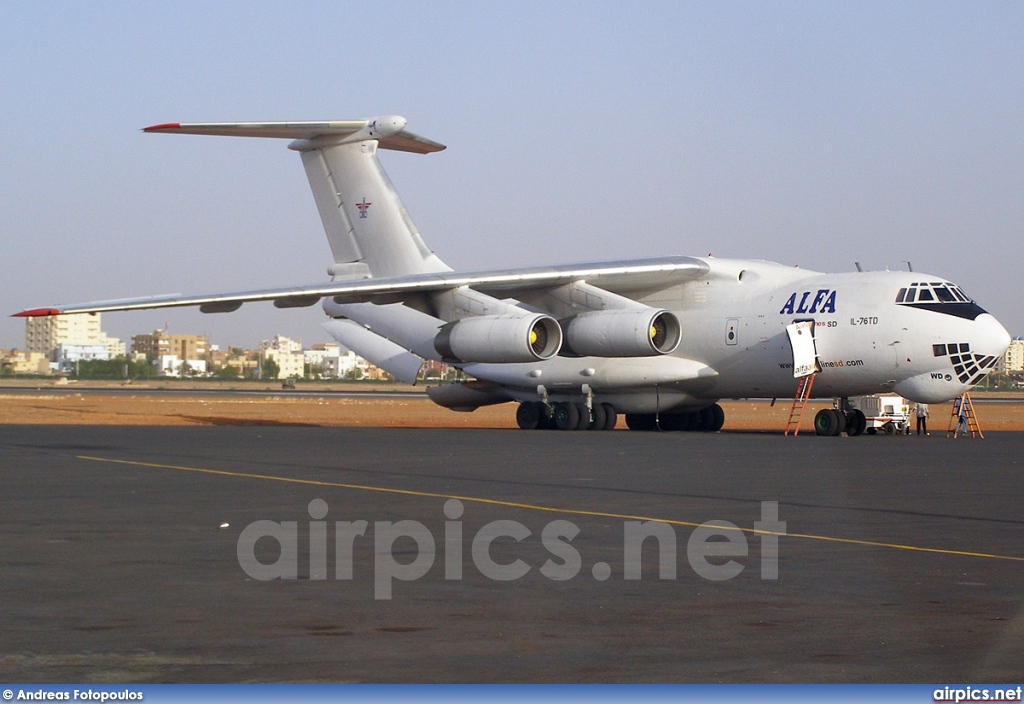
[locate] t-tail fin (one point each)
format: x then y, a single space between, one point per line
368 228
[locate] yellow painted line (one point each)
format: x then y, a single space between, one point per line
547 509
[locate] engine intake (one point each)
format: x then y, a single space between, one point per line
500 339
623 333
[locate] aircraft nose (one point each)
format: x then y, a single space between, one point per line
990 337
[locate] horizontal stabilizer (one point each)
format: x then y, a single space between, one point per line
389 131
280 130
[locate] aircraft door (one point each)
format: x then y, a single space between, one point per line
805 351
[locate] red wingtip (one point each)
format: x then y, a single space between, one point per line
165 126
36 313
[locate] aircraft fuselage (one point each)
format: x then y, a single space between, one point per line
734 342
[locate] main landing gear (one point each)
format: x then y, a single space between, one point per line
537 415
706 420
834 421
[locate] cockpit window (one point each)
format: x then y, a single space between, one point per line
931 292
939 297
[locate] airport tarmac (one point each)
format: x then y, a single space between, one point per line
902 561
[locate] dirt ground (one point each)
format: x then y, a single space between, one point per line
148 406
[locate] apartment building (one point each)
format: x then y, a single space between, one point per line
78 335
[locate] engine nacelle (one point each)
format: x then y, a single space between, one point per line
500 339
623 333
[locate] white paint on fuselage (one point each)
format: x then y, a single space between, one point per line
866 342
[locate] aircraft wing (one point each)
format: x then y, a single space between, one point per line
618 277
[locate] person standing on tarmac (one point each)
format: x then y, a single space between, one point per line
921 410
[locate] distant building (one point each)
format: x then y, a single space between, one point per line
24 362
193 367
376 373
152 346
289 364
247 363
168 364
193 348
67 355
282 344
46 334
1013 361
219 358
324 359
173 365
287 355
348 365
160 344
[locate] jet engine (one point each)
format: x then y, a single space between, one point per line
500 339
623 333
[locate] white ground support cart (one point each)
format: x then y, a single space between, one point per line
888 413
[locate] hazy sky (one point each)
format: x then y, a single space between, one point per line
814 133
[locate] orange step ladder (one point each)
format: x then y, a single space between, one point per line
964 402
796 413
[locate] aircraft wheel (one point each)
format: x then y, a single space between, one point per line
566 416
598 422
611 417
641 421
691 421
718 414
547 416
856 423
584 413
671 421
827 422
707 420
528 415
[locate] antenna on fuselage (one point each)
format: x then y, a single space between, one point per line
910 267
859 268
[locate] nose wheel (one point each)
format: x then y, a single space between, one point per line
831 421
856 423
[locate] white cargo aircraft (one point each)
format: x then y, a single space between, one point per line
659 340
